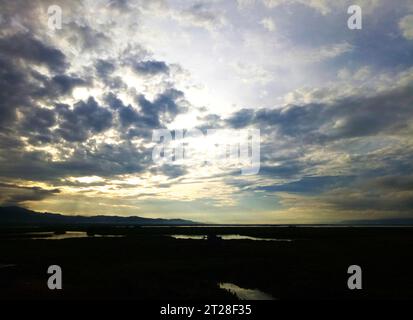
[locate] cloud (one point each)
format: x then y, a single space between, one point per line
245 3
24 46
288 168
406 26
200 15
328 52
396 183
268 24
85 38
11 80
241 118
85 119
89 159
59 86
104 68
310 185
173 171
11 194
151 67
37 125
167 105
323 6
127 114
250 73
351 199
150 114
345 118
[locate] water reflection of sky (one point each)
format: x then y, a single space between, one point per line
66 235
226 237
245 294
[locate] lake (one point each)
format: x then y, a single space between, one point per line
62 236
226 237
245 294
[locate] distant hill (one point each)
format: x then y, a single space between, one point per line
22 216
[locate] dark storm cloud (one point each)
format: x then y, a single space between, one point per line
75 125
24 46
93 158
118 4
350 117
105 72
347 199
241 118
168 101
65 84
165 104
151 67
37 123
58 86
128 115
11 80
382 179
396 183
22 87
104 68
310 185
172 171
8 141
351 193
113 101
85 37
14 194
105 161
85 119
151 114
286 169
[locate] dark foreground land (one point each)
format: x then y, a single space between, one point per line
148 264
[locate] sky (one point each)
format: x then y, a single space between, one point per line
334 107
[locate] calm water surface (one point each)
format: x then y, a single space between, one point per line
66 235
226 237
245 294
